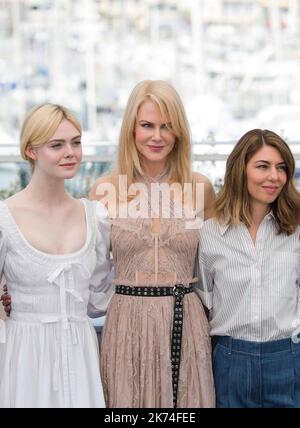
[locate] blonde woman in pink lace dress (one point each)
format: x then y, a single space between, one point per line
155 349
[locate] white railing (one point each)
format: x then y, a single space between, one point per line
202 151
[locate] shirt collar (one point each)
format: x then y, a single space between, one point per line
270 216
224 225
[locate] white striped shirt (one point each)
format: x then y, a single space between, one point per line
251 290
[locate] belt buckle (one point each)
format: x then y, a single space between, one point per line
178 290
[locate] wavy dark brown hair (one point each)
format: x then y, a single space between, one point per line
233 202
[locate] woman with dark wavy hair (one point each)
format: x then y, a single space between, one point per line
249 261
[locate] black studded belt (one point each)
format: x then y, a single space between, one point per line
178 291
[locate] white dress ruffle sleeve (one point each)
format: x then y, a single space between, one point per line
101 289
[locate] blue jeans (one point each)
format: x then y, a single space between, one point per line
256 374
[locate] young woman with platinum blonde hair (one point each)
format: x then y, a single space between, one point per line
54 255
155 349
250 274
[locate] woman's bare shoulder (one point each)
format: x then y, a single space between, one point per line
95 193
201 178
209 194
16 200
109 178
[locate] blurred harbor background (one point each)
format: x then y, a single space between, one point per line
235 63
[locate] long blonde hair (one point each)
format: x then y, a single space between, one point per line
171 108
40 124
233 201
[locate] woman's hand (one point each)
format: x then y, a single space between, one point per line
6 301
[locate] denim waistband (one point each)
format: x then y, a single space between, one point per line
256 347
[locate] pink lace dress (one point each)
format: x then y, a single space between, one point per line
136 344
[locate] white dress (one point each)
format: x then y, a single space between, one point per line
48 346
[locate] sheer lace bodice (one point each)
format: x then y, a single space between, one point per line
154 251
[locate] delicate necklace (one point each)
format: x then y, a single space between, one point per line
158 177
